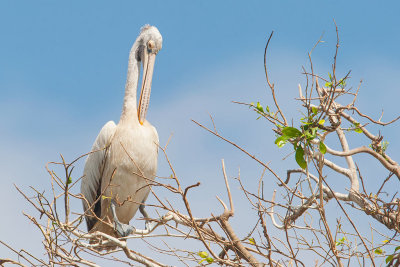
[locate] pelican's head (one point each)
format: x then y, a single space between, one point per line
150 42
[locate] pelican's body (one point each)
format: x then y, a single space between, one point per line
123 161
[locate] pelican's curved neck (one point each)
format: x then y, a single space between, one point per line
129 109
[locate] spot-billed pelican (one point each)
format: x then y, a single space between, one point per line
123 161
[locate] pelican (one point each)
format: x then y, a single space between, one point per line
123 161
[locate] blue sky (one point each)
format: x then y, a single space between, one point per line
63 69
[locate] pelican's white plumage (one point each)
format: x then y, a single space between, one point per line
123 161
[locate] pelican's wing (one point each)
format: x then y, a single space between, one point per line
93 172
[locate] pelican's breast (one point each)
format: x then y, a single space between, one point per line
133 155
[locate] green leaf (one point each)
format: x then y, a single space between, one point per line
384 145
342 83
300 157
314 132
305 128
267 109
341 241
252 241
308 135
321 122
281 141
203 254
314 110
397 248
69 180
311 133
210 260
328 84
378 251
389 258
291 132
259 107
357 127
322 147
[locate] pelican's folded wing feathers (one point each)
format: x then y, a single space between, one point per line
93 172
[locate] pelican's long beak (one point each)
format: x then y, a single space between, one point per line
148 67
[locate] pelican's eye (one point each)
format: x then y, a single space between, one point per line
151 45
